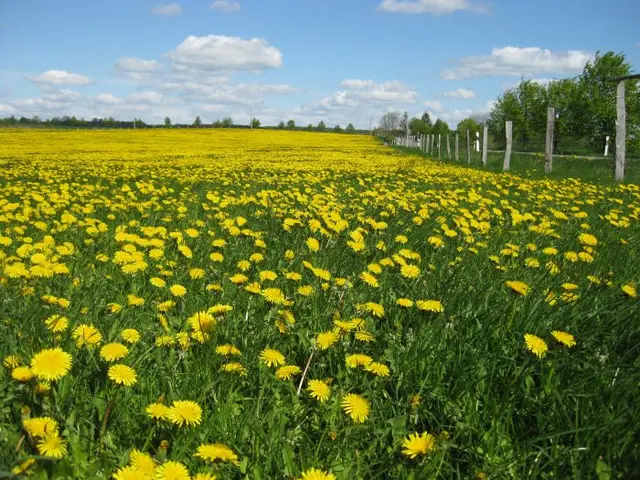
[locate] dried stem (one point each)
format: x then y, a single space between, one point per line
306 369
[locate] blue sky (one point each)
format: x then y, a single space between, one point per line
337 61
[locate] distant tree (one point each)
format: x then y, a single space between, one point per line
227 122
418 127
404 123
351 128
596 101
440 127
337 129
281 125
255 123
217 124
36 120
426 118
197 122
390 122
321 126
291 125
167 122
309 127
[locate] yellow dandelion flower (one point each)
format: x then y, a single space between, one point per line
52 446
358 359
177 290
113 351
563 337
587 239
143 462
520 288
379 369
287 371
319 390
22 374
272 357
374 309
356 407
86 335
185 412
202 322
130 335
369 279
536 345
40 426
171 470
127 473
430 306
409 271
51 364
158 282
122 375
418 444
226 350
364 336
313 244
405 302
629 290
213 452
324 340
158 411
196 273
57 323
317 474
274 296
235 367
11 361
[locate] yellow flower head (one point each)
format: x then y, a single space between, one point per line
520 288
122 375
536 345
213 452
356 407
113 351
563 337
317 474
272 357
185 412
51 364
418 444
319 390
287 371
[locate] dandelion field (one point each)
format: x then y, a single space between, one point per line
285 305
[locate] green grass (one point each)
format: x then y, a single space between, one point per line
597 170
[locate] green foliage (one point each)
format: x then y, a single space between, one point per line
350 128
440 127
291 124
197 122
255 123
417 127
337 129
281 126
321 126
468 124
167 122
227 122
426 119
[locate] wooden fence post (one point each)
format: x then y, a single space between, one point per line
485 144
621 133
507 154
457 148
548 151
468 147
448 148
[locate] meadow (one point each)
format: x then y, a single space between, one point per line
287 305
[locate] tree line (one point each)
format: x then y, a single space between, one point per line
110 122
585 109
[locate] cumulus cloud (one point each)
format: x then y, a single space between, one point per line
368 90
219 52
452 117
108 99
132 64
460 93
167 10
433 7
225 6
516 61
433 106
60 77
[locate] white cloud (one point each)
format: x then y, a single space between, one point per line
460 93
147 98
60 77
167 10
368 90
132 64
6 109
217 52
516 61
108 99
452 117
434 106
225 6
433 7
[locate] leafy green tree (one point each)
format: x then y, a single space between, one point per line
291 125
595 111
197 122
417 126
351 128
468 124
426 118
337 129
167 122
255 123
217 124
440 127
309 127
321 126
227 122
281 126
404 123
